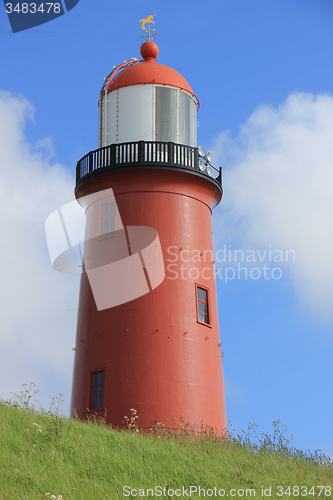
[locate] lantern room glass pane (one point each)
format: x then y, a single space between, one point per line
165 114
175 116
184 119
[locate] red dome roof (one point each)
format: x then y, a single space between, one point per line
148 71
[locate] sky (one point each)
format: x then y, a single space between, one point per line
263 74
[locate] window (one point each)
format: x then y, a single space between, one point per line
97 390
109 218
202 301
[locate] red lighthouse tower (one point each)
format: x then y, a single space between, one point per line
148 334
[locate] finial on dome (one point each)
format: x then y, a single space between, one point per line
149 50
149 21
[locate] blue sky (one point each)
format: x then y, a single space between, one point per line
263 73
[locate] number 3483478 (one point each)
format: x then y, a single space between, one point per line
33 8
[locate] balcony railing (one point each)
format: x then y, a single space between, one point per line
144 154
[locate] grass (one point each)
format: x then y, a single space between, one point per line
76 460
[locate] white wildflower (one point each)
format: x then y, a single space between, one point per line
39 427
54 497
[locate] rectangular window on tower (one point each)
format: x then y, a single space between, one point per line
202 305
97 390
109 219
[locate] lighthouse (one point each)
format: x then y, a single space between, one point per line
148 334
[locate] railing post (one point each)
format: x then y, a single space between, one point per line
170 152
77 172
98 159
141 152
112 155
91 159
219 177
196 159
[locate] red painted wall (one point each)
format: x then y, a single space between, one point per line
158 359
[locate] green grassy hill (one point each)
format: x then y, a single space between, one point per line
86 461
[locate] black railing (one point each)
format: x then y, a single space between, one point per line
144 154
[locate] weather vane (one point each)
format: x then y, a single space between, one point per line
148 30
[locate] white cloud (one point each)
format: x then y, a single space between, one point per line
37 330
278 190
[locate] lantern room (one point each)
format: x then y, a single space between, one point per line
145 100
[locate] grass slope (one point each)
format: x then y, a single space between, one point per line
86 461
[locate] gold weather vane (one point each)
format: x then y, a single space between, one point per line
149 21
